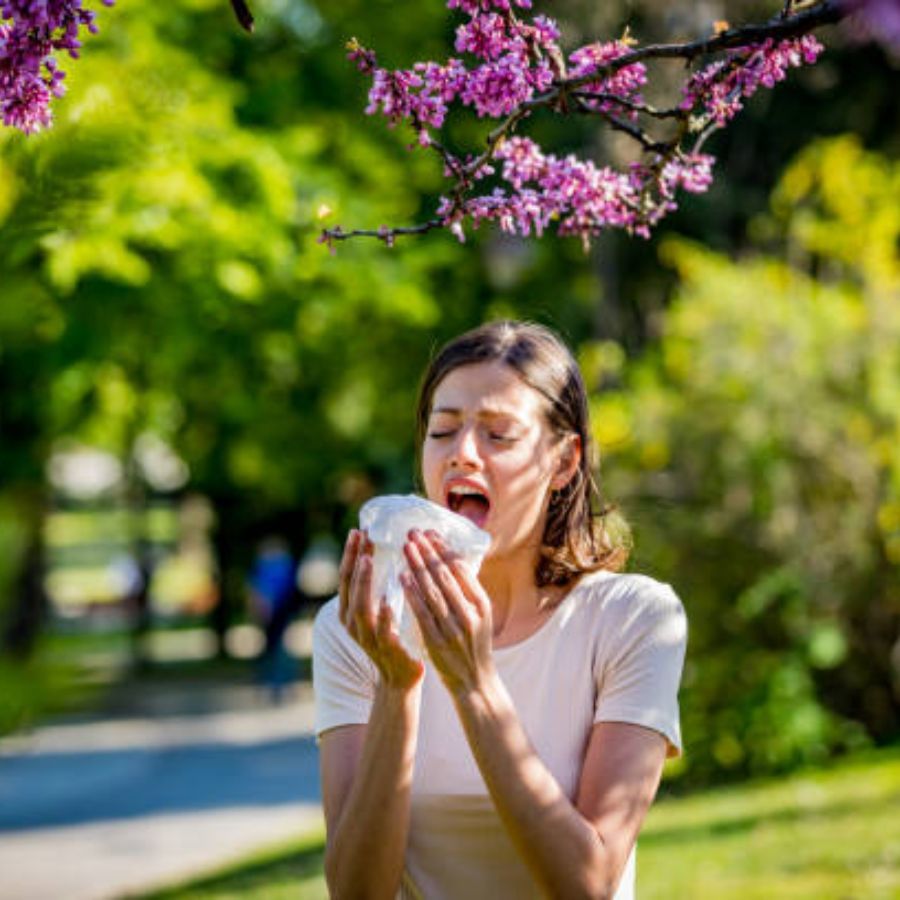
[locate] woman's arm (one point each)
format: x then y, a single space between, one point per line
367 769
574 849
366 778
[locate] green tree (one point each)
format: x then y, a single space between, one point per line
161 274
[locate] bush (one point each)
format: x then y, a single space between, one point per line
757 452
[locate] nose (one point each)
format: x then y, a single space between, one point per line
464 452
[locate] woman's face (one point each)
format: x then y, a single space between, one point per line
490 455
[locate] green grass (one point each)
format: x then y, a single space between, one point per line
289 871
831 834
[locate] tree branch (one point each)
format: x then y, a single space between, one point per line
591 94
828 12
642 108
244 16
329 235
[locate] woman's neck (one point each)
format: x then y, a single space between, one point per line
516 600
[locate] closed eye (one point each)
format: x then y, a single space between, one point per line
495 436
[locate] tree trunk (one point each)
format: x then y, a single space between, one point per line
28 608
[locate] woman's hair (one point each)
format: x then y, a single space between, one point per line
578 536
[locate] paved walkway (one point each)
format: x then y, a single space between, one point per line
99 810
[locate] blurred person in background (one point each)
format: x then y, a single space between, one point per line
272 594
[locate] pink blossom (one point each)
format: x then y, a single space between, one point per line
420 94
523 161
691 172
365 59
30 32
720 88
545 31
532 189
486 37
474 7
496 88
625 82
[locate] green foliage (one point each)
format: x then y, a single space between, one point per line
757 453
52 681
160 273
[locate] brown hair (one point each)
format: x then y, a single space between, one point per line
577 535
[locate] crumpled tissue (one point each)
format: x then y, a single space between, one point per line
387 521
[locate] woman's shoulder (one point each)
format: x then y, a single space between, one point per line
328 631
332 642
327 616
626 596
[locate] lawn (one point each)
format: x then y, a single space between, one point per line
831 834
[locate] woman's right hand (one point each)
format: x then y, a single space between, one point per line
369 620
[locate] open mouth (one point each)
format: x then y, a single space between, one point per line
470 502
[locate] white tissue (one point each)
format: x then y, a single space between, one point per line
387 521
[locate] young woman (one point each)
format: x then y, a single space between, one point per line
520 758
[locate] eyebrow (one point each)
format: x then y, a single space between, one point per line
482 414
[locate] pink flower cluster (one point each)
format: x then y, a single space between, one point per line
513 64
504 61
475 7
30 32
625 83
720 89
582 197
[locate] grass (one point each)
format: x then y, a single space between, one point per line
831 834
289 871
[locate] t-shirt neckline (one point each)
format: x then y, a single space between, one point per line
587 578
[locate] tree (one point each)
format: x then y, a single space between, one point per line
519 69
149 226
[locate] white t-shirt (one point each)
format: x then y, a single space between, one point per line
612 651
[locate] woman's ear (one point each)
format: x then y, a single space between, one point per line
568 463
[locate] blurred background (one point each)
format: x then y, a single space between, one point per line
196 398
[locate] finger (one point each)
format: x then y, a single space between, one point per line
345 573
441 594
389 642
362 609
431 634
428 586
467 590
440 563
384 628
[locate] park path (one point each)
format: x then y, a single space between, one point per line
96 810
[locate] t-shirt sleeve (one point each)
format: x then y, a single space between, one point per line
637 677
344 678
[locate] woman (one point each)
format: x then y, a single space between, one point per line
520 758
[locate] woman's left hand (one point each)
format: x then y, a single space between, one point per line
452 609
